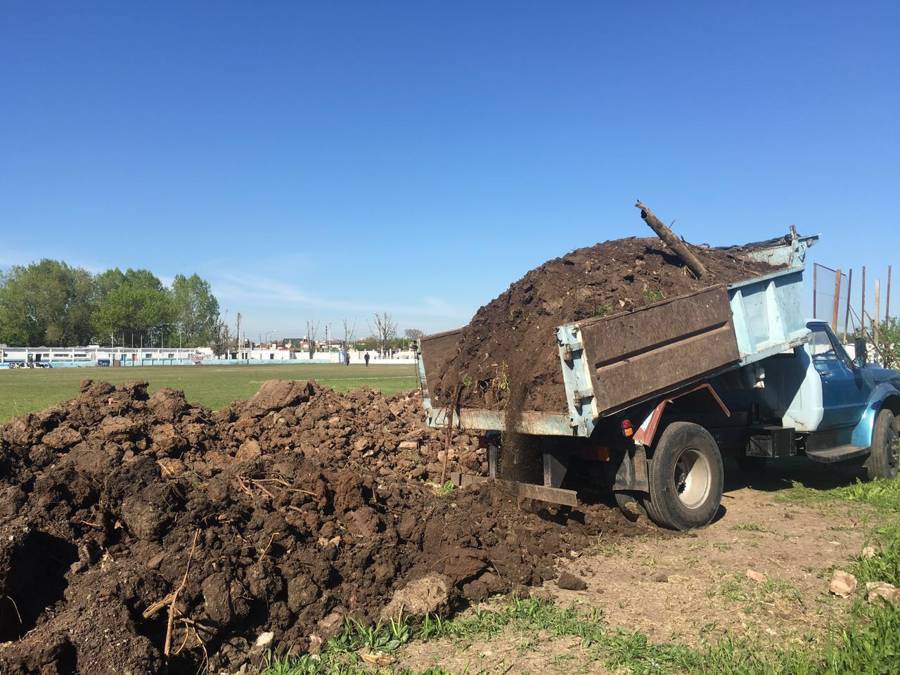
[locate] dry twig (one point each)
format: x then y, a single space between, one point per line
167 648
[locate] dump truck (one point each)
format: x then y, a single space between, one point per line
658 395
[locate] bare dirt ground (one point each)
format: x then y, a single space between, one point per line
694 588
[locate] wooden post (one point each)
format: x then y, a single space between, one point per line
837 301
847 313
672 241
862 309
877 310
887 297
815 287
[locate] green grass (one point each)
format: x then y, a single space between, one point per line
883 495
23 391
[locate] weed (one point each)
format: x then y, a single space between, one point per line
603 310
652 295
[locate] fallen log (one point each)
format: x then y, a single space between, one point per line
672 241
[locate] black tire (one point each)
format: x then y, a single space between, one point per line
884 457
686 478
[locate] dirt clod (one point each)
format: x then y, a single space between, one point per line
570 582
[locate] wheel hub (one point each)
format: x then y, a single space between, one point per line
693 478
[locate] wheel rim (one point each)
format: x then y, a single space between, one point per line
693 478
893 452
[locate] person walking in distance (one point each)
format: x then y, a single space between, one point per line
366 358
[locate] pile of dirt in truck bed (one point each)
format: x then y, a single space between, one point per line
136 525
510 344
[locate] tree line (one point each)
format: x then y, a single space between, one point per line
52 304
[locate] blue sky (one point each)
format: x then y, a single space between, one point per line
323 162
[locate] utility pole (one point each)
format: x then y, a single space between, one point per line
238 338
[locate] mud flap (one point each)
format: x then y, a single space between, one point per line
632 474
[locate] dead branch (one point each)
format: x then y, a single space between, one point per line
672 241
167 648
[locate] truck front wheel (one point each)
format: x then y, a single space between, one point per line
686 478
884 457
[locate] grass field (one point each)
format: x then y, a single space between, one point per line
23 391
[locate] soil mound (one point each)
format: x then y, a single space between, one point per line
508 351
132 522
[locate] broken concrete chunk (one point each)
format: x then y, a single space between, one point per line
427 595
843 584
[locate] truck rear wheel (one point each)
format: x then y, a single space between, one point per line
884 457
686 478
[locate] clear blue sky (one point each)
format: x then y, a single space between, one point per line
327 162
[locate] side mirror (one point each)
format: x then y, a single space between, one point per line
860 349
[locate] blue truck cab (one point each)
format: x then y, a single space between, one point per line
831 403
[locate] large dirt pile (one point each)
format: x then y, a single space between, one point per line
130 520
509 350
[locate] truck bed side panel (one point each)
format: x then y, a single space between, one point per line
652 349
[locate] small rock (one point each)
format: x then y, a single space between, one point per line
570 582
842 584
884 590
78 566
661 577
408 445
265 639
758 577
868 552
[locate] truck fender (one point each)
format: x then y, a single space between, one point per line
646 433
885 395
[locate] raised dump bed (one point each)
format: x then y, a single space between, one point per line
612 363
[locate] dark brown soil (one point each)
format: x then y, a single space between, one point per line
283 514
508 351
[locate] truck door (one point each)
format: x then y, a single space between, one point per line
844 393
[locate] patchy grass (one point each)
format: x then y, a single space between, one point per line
27 390
869 643
883 495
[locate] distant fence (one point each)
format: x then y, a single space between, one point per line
204 362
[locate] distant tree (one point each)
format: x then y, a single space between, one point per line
312 331
221 342
385 329
349 330
196 310
138 309
413 334
367 344
46 303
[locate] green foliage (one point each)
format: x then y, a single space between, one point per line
46 304
51 304
137 310
888 342
196 310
